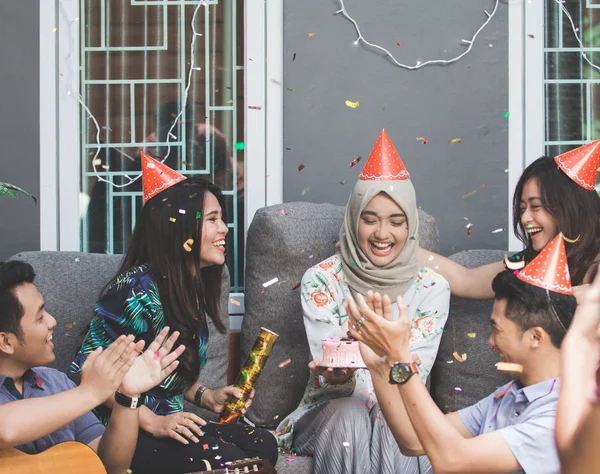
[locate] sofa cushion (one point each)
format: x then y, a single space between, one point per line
283 242
456 385
71 282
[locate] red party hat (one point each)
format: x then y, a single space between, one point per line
157 177
384 163
549 270
581 164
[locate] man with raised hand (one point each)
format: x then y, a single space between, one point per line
511 430
41 407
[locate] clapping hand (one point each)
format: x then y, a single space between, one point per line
156 363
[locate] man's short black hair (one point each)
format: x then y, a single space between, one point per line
13 274
529 306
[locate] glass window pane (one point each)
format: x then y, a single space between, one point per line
135 63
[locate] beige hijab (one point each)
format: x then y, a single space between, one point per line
395 278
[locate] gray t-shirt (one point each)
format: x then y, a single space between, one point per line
42 382
525 417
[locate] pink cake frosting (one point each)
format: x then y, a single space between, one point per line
343 354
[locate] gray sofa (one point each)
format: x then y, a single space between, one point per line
282 245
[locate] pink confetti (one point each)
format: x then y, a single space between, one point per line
283 212
284 363
157 355
255 107
235 302
458 389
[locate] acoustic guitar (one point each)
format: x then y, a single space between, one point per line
81 459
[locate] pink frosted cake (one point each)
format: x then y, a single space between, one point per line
342 354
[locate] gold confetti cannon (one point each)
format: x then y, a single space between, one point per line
248 376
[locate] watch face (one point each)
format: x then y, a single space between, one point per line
400 373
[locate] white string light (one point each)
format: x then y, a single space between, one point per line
69 59
575 32
419 64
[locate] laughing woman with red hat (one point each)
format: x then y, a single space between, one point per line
553 195
339 421
171 276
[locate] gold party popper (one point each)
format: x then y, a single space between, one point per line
248 376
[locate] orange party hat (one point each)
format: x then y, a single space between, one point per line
549 270
581 164
157 176
384 163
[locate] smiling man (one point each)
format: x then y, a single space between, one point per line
41 407
511 430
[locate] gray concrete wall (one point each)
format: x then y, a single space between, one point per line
467 100
19 124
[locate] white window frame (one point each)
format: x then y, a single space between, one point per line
526 127
59 121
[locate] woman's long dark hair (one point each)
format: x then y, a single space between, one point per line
187 292
576 210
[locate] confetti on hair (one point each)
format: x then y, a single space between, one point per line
460 358
270 282
354 162
455 140
301 167
352 105
198 214
172 219
425 140
284 363
187 245
235 302
469 194
310 35
472 335
239 146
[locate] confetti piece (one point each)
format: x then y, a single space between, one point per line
469 194
486 132
255 107
495 231
181 211
97 162
355 161
296 287
275 417
425 140
455 140
346 444
460 358
430 258
77 260
458 389
235 302
290 459
198 214
187 245
290 89
239 146
301 167
472 335
205 446
71 325
157 355
398 44
54 30
172 219
270 282
305 190
294 57
506 170
283 212
469 227
506 114
449 362
284 363
261 291
343 182
531 36
310 35
352 105
354 264
319 246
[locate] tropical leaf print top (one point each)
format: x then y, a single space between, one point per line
131 305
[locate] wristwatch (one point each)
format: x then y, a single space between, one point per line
129 402
401 372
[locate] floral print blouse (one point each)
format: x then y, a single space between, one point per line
324 291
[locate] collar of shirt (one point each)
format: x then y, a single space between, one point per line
535 391
29 377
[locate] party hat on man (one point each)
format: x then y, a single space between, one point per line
549 270
157 176
581 164
384 163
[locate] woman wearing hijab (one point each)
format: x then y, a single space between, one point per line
338 420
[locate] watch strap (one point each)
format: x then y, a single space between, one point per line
198 395
128 402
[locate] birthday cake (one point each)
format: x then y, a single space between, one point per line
342 354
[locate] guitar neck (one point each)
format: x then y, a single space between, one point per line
253 465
